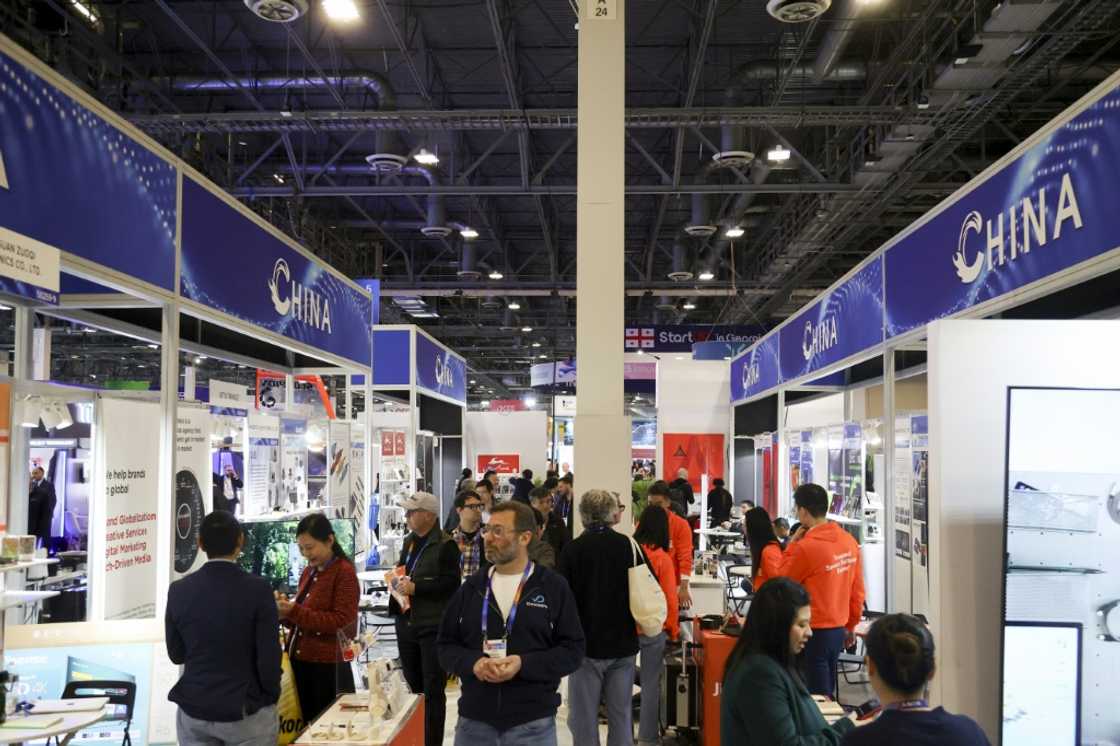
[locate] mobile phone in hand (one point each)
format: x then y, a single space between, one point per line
868 709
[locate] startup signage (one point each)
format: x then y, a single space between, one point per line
843 322
757 370
72 181
231 264
681 337
1048 210
439 370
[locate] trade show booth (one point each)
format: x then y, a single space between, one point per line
970 357
417 428
154 266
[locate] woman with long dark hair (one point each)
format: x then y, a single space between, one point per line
652 535
900 654
765 702
325 605
766 550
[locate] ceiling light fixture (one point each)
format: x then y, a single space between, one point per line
778 154
343 11
495 275
536 344
543 357
735 231
484 403
279 178
530 401
153 347
85 12
469 233
425 158
514 306
706 275
689 306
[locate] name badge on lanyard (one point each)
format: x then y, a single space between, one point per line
499 647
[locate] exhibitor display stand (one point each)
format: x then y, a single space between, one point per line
1036 238
153 251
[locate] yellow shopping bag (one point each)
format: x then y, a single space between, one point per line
291 717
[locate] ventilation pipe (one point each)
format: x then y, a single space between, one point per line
682 271
700 225
436 225
836 40
665 303
468 270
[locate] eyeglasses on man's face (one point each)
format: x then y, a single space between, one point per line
473 506
499 531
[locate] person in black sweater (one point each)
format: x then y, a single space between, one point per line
555 532
222 627
522 486
683 489
900 664
596 566
719 504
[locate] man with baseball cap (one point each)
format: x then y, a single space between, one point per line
425 579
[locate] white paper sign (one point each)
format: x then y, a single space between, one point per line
26 260
193 487
601 10
129 432
225 395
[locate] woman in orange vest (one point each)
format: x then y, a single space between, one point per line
652 534
766 550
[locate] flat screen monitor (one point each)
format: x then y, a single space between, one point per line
1041 684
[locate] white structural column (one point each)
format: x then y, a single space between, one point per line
602 441
168 407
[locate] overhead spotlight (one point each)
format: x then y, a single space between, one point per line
495 275
641 352
706 275
536 344
526 329
735 231
279 178
473 382
530 401
923 102
31 412
778 155
425 158
513 306
50 415
484 403
197 360
469 233
689 306
153 347
543 357
64 418
343 11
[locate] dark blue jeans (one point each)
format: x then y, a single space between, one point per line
818 660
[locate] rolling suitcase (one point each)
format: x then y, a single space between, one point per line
680 690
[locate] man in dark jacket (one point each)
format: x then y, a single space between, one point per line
222 626
683 488
522 486
510 636
428 576
555 532
597 566
40 506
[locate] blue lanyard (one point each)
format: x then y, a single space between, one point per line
910 704
512 610
410 561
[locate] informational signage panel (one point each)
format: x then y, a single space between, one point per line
233 265
682 337
72 181
843 322
757 371
439 370
1051 208
193 486
28 268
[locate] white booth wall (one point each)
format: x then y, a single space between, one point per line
693 396
971 366
523 433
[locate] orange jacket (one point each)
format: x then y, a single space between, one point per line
665 572
827 562
769 564
680 545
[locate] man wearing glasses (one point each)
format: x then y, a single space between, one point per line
510 634
468 535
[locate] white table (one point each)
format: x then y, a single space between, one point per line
336 713
707 594
70 724
741 571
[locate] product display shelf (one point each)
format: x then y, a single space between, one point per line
844 519
28 564
11 599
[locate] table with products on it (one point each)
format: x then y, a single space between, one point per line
347 723
68 725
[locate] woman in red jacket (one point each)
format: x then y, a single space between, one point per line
766 550
326 604
652 534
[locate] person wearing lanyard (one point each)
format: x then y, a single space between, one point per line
510 635
900 664
426 578
468 507
325 606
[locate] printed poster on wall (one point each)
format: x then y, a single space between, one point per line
903 474
193 486
129 449
359 497
293 444
699 453
806 456
339 467
501 463
262 480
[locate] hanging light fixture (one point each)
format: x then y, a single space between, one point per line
425 158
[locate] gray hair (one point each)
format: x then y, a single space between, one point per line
682 473
597 506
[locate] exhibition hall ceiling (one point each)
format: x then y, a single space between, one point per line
813 143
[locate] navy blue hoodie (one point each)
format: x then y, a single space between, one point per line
546 634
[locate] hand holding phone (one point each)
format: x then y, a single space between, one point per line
868 710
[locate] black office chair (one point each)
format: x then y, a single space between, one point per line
737 590
120 694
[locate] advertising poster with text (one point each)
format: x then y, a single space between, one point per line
338 462
698 453
359 496
130 448
193 486
262 482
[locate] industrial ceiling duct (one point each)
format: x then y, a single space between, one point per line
836 39
682 272
468 270
277 11
700 225
732 151
665 303
389 157
437 226
492 301
797 11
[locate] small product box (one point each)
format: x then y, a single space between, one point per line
9 549
26 548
